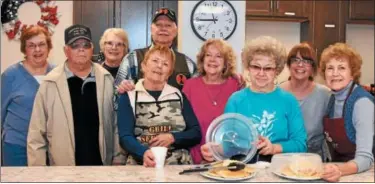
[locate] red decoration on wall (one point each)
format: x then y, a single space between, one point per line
49 19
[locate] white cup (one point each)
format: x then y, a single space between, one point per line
159 153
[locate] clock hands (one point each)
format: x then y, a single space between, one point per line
214 20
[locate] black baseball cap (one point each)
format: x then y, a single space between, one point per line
76 32
167 12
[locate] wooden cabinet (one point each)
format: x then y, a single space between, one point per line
361 11
97 15
326 25
133 16
277 9
259 7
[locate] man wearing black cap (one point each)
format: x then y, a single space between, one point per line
163 32
73 121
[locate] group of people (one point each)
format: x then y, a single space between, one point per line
112 113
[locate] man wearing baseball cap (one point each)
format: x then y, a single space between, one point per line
163 32
73 121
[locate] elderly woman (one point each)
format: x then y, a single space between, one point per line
209 92
157 114
19 84
312 97
349 124
276 113
115 45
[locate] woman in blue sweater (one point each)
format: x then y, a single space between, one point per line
349 123
19 84
276 112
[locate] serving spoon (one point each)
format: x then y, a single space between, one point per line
234 166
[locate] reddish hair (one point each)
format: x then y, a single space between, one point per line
32 31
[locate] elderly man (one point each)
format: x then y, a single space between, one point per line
163 32
73 122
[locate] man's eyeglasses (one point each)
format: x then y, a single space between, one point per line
257 68
303 61
110 44
78 45
33 46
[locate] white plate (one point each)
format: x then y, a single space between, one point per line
293 177
205 174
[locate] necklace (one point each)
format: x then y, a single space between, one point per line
212 99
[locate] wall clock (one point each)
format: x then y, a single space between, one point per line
213 19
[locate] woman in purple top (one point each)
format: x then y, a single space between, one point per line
209 92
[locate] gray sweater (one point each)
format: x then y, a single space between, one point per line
363 122
314 108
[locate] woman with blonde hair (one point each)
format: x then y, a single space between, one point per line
349 122
275 112
312 97
156 114
209 92
19 84
114 44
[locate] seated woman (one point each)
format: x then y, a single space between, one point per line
276 113
157 114
209 92
349 124
312 97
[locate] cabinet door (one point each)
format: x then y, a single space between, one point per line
97 15
259 7
290 8
361 10
328 26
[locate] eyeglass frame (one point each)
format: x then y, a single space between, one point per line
258 69
304 61
41 45
110 44
83 45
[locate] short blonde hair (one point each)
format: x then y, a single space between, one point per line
117 32
266 46
163 50
340 51
225 50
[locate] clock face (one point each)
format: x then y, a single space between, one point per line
213 19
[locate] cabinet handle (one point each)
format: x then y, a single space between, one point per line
271 5
289 13
329 25
277 5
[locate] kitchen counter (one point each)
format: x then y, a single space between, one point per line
135 174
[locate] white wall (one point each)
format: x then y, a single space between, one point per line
10 49
361 38
190 44
286 32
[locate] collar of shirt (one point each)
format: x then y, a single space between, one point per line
70 74
152 45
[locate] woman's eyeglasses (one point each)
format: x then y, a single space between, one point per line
111 44
257 68
33 46
303 61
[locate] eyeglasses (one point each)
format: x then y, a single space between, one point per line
303 61
78 45
257 69
110 44
33 46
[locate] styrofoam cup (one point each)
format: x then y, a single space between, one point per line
159 153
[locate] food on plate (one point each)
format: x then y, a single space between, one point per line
301 167
225 173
